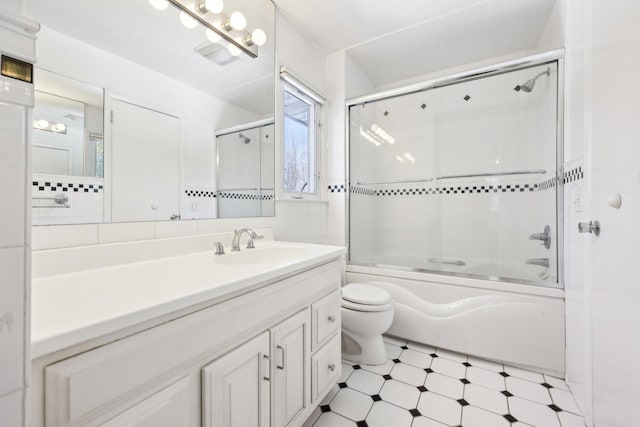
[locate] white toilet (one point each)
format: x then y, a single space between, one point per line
367 313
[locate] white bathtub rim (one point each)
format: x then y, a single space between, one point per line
465 282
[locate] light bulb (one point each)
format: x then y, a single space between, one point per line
213 36
41 124
187 20
237 21
234 50
214 6
59 127
159 4
258 37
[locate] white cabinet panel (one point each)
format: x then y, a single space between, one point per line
11 320
291 351
11 410
146 164
326 367
236 387
326 318
167 408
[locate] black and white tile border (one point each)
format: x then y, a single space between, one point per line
569 176
245 196
424 386
200 193
337 188
68 187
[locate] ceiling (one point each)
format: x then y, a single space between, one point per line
155 39
487 30
338 24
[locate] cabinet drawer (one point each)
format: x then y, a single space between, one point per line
325 367
326 318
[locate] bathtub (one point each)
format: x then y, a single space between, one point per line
512 323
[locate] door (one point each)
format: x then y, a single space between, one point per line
615 254
236 387
145 171
291 346
168 408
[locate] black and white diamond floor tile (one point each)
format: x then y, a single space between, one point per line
421 386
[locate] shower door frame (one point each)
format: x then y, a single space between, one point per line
553 56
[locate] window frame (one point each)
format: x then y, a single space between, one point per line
314 142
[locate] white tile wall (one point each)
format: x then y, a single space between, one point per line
11 409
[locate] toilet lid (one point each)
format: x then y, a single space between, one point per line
359 293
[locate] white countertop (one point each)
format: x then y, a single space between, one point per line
69 309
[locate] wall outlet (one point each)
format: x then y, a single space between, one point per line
194 206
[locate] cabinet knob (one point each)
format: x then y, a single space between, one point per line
332 367
331 318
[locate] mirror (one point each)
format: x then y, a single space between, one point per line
133 102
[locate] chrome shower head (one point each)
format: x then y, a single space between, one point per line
244 139
528 86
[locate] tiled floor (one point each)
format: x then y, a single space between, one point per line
420 386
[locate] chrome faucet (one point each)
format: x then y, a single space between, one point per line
235 243
542 262
545 237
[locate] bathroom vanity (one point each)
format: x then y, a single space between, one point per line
250 338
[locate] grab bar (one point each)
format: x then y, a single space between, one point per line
447 261
443 177
60 200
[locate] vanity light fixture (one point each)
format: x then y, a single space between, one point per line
213 6
230 28
48 126
159 4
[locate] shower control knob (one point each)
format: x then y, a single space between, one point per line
332 367
331 318
589 227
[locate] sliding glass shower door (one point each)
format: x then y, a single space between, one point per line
460 179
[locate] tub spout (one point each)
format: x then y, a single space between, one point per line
542 262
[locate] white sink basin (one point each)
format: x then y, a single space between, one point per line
262 255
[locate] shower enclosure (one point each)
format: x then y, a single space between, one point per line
461 177
245 171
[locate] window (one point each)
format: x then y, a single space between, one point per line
300 147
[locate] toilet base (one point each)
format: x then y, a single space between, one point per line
368 350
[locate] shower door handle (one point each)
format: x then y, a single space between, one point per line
589 227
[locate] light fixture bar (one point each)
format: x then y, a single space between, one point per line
201 16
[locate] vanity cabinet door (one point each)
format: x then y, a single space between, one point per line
236 387
167 408
291 346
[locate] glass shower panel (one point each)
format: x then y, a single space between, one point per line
459 179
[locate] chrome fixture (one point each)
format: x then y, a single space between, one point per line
528 86
235 243
447 261
442 177
545 237
542 262
589 227
61 201
299 195
219 26
219 248
244 139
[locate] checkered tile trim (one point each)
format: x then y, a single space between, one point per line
574 174
245 196
200 193
338 188
68 187
569 176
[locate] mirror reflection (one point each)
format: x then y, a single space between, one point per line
131 107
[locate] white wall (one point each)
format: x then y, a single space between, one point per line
16 101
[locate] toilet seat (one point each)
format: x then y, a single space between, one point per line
361 297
